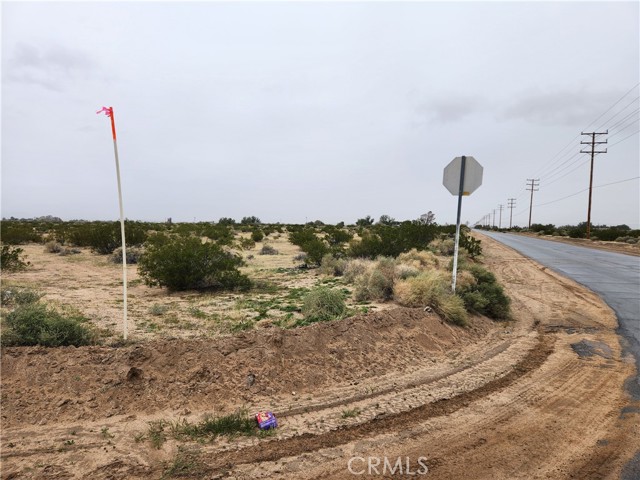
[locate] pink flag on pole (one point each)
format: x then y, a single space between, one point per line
107 111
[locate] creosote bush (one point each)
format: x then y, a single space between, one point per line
485 295
323 304
36 324
186 263
11 259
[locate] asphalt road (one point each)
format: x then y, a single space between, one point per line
613 276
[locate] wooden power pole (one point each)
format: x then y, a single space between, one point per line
593 152
511 205
532 188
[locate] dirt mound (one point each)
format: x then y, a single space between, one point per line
42 385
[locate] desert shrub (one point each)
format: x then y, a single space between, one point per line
471 245
268 250
301 257
226 221
323 304
369 246
185 263
443 246
221 234
253 220
337 236
356 268
485 296
432 288
452 308
133 255
418 258
69 251
37 324
52 247
157 309
257 235
377 282
17 232
10 296
315 250
11 259
105 237
247 243
309 243
331 265
404 271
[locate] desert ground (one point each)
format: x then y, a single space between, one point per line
540 396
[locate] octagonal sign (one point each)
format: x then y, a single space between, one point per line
472 176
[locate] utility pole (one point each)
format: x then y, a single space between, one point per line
593 152
494 218
500 206
535 182
511 206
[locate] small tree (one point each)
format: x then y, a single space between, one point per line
185 263
365 222
428 218
250 221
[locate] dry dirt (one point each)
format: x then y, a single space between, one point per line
539 397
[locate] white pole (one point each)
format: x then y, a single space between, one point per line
455 250
125 327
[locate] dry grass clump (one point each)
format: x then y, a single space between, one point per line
355 268
419 259
432 288
53 247
443 246
331 265
377 282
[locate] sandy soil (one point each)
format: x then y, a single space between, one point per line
539 397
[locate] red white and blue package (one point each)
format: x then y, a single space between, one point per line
266 420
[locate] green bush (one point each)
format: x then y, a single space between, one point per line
17 232
257 235
486 296
36 324
105 237
11 259
323 304
185 263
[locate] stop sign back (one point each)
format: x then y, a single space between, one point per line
472 176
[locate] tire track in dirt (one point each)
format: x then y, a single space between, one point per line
305 443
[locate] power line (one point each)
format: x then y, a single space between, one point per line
545 166
620 141
584 190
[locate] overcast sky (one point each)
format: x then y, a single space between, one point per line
318 110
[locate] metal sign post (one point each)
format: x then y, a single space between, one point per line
454 274
461 177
